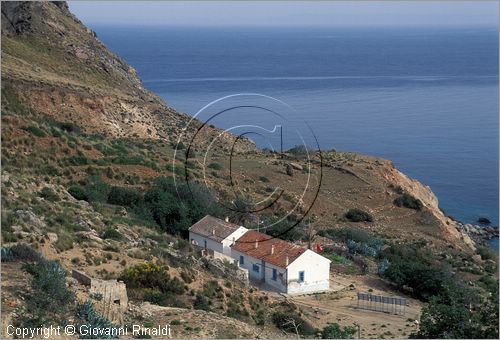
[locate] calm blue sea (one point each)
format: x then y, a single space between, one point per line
425 98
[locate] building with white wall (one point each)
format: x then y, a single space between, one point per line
279 265
215 235
282 265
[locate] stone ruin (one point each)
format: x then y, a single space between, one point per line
110 296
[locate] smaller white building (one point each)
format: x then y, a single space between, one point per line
213 234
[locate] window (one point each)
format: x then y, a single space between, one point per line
255 268
301 276
242 260
275 274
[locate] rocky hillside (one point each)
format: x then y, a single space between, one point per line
60 69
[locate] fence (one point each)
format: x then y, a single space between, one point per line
379 303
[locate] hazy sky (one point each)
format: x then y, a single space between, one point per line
288 13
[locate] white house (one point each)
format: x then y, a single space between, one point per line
284 266
215 235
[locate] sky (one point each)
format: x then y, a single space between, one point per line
288 13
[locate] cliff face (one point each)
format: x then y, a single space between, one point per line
449 228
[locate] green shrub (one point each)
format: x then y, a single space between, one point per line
49 170
64 242
201 302
335 331
20 252
486 253
112 234
264 179
49 298
77 160
123 196
49 194
408 201
69 127
176 206
92 319
215 166
358 215
150 275
36 131
97 190
78 192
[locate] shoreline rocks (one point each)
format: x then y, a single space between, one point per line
480 234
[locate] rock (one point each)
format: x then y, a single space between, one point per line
352 286
22 234
296 166
90 235
289 170
52 237
484 220
80 54
31 219
477 258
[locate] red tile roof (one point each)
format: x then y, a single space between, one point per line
213 228
246 244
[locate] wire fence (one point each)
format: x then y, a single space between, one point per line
380 303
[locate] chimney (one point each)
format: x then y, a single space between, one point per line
226 219
256 243
286 261
272 249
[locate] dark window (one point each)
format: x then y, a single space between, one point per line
255 268
242 260
275 274
301 276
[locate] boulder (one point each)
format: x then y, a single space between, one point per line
52 237
484 220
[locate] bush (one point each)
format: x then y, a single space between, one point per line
124 196
335 331
286 321
20 252
150 275
215 166
201 302
414 268
408 201
264 179
49 297
36 131
486 253
358 215
176 206
77 160
97 190
112 234
69 127
49 194
78 192
89 317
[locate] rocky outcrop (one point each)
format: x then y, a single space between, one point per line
448 227
480 234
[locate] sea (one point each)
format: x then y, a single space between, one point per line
425 98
